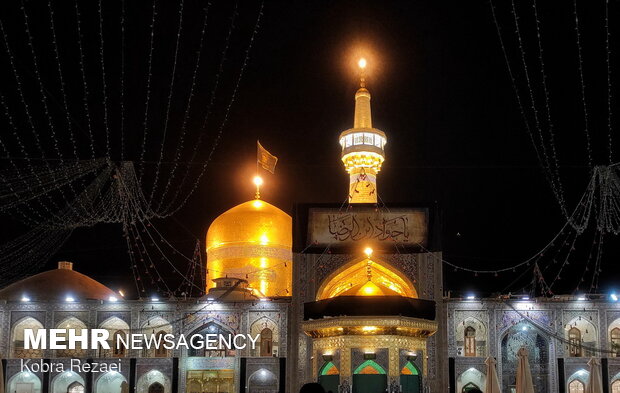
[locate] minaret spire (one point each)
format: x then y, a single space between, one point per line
362 147
362 117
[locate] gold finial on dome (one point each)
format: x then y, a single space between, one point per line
258 181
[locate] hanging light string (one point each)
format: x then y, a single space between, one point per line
515 88
62 81
550 126
556 188
597 266
208 112
583 86
181 141
601 183
149 76
609 85
132 260
29 120
170 94
587 265
85 90
220 130
46 206
23 216
103 82
122 82
544 147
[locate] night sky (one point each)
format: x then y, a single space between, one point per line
440 90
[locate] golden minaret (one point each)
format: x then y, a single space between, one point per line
362 148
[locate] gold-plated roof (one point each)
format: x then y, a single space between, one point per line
252 241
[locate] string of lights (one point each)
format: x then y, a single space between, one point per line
609 85
550 126
170 94
149 76
521 106
226 114
547 166
23 217
62 81
188 105
103 82
209 109
122 82
29 118
85 89
583 86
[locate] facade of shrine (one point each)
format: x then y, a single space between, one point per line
347 295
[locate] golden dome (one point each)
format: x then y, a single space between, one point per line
252 241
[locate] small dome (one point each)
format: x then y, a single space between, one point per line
252 241
56 285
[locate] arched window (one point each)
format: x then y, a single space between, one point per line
576 386
470 341
156 387
161 351
266 342
615 342
19 350
574 342
75 387
615 386
119 348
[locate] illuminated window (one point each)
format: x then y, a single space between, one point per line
378 141
615 342
470 341
349 140
576 386
266 342
161 352
358 139
119 348
574 342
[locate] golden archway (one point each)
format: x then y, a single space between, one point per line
353 279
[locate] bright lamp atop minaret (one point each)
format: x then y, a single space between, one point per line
258 181
361 63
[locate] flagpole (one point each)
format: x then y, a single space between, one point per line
256 177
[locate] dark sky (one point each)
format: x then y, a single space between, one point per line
440 90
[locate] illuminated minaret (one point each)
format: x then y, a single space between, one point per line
362 148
